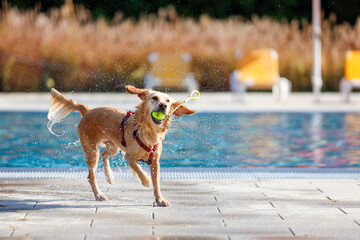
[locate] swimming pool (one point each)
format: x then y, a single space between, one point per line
226 140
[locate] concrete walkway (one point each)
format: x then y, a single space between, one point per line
200 209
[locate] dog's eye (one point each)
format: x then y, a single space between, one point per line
167 100
155 98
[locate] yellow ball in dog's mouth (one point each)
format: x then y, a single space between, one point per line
158 115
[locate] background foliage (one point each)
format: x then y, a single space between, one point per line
345 10
74 48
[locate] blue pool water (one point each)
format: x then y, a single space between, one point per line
203 140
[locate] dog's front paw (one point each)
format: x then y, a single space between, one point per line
162 202
101 197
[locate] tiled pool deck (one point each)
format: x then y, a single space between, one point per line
254 207
200 208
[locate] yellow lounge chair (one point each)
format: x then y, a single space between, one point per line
352 74
259 69
170 71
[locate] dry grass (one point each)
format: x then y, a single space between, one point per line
86 55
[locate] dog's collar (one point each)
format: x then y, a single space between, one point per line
142 145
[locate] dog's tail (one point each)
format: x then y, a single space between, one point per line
61 107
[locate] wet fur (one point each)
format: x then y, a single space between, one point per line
102 126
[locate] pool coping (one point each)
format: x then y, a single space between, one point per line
189 173
209 102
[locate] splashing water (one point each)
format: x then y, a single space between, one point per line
73 144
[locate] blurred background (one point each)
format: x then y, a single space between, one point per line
92 46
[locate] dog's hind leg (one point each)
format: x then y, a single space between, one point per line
135 166
111 150
91 154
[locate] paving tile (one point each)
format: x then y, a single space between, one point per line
10 222
117 232
69 230
339 188
191 229
351 210
253 231
329 229
186 216
320 222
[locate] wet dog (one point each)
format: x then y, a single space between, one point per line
139 135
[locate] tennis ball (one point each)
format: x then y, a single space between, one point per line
158 115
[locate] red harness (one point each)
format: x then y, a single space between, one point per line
146 148
122 127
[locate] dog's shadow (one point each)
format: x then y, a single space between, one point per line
12 205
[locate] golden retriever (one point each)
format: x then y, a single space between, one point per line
138 134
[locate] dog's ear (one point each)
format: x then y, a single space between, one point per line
140 92
182 110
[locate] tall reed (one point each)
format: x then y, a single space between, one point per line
85 55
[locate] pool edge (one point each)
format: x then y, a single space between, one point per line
190 173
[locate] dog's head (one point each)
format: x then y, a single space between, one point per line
153 101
